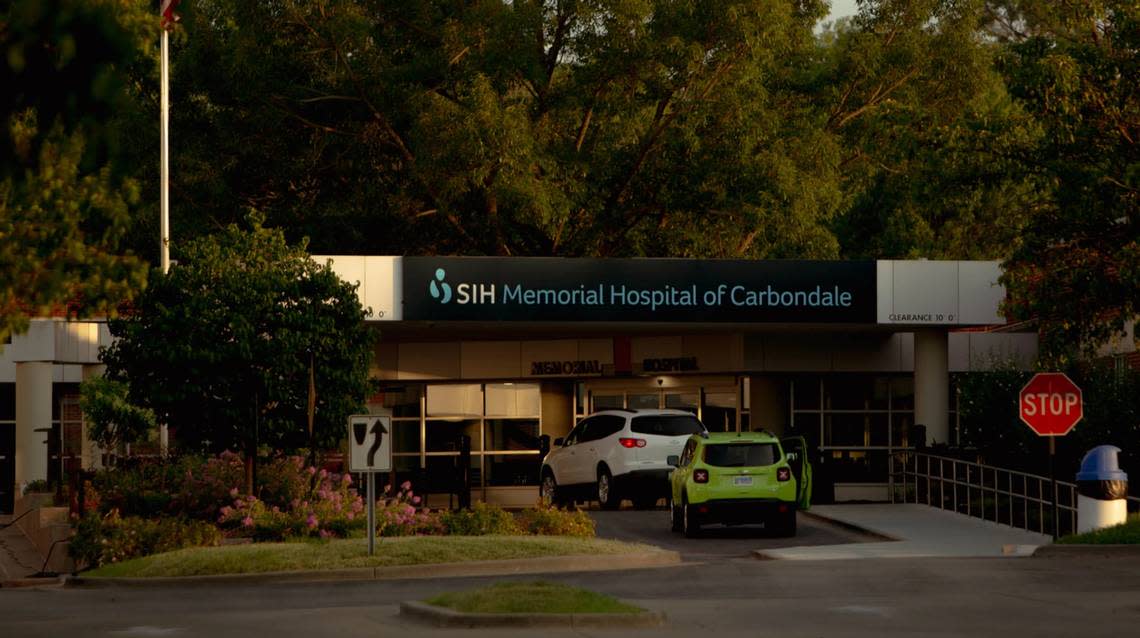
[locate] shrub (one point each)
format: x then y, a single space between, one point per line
205 484
545 520
138 487
400 515
332 509
38 485
284 480
480 520
110 538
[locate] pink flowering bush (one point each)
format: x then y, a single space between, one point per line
206 484
402 515
331 508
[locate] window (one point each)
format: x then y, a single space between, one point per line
603 426
687 455
741 454
667 425
578 433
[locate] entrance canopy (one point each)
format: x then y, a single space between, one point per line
543 291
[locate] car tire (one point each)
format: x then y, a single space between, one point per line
785 524
550 492
689 525
608 498
674 515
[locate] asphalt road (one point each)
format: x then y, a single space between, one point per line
735 597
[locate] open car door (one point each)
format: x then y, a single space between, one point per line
795 450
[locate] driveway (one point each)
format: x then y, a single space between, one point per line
716 542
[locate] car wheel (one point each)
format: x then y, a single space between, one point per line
549 490
783 524
608 498
689 526
674 516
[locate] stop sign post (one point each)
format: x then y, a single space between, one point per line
1051 404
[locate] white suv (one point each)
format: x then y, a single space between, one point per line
616 454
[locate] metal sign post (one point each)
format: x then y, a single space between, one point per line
1051 404
369 452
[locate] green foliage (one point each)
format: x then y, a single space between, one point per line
544 520
1073 67
570 128
186 486
220 348
64 204
110 417
989 421
1126 533
532 597
38 485
110 538
329 508
482 519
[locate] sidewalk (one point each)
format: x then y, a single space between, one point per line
922 531
18 557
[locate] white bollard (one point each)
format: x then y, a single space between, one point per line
1094 514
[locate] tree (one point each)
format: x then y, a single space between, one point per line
1073 67
64 200
114 420
926 125
538 127
220 348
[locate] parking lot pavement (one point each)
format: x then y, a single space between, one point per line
716 542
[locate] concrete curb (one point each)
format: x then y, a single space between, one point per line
1104 551
572 563
851 527
444 617
12 583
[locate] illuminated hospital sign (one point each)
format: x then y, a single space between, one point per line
654 290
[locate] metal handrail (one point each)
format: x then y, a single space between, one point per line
1008 497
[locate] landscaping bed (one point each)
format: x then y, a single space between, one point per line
353 553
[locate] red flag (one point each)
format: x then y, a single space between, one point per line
168 15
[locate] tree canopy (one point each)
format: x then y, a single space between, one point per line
1074 67
562 127
65 202
221 347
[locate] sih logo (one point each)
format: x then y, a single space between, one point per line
435 289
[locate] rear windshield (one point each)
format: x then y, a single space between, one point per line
740 454
671 425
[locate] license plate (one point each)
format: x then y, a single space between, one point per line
742 480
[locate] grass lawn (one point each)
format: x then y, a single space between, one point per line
341 554
1127 533
533 597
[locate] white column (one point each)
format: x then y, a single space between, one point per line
92 453
932 383
33 412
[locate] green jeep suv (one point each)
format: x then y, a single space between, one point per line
737 478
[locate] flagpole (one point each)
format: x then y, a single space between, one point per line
164 184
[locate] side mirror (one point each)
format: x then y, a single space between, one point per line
673 460
558 442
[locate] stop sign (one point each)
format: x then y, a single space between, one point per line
1051 404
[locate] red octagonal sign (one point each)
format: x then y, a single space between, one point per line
1051 404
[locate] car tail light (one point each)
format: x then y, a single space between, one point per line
631 443
700 476
783 474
